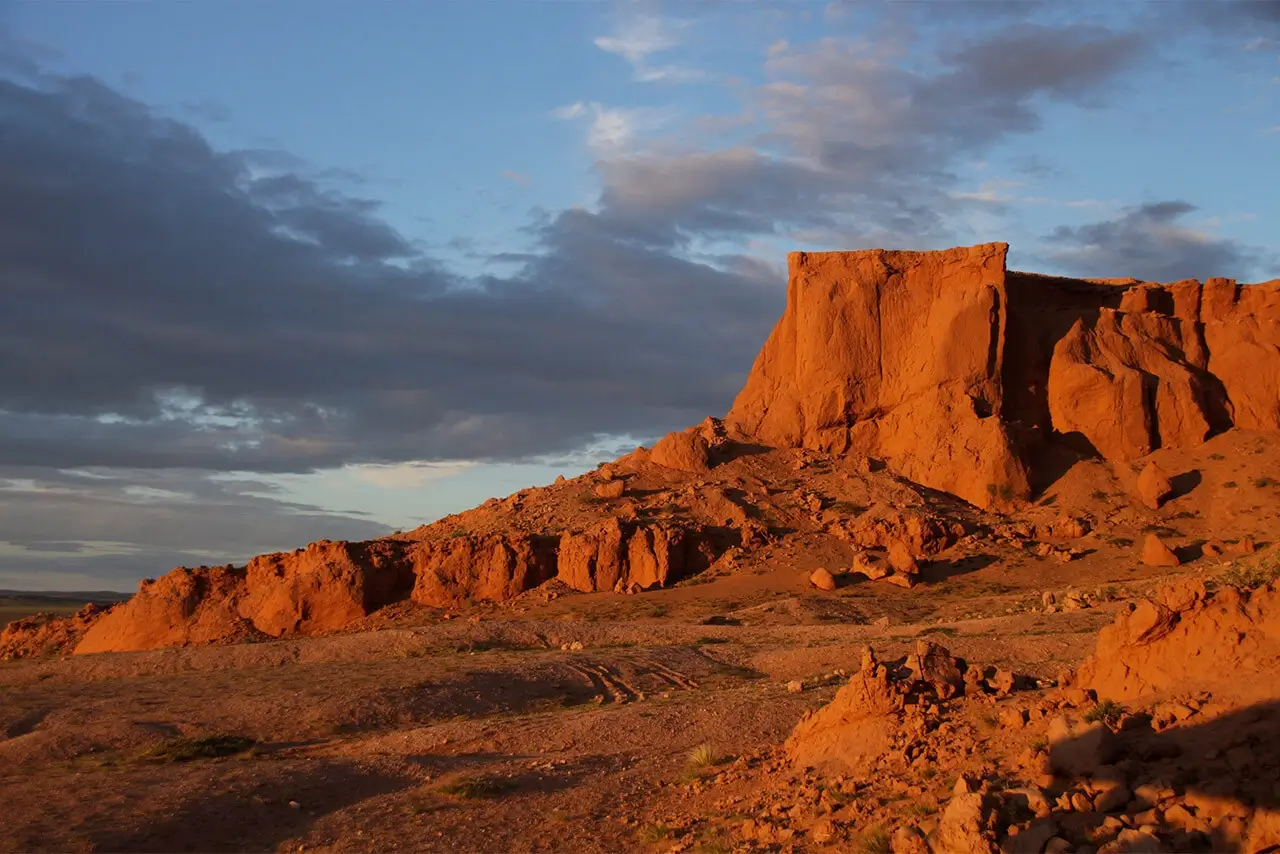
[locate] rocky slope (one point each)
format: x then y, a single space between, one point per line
906 377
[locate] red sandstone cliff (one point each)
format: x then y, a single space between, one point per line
957 372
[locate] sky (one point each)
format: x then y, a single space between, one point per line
276 272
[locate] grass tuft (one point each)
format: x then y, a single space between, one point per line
1252 574
704 756
476 788
209 747
1108 712
654 834
875 841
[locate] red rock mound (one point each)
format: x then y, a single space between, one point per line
329 585
46 634
1187 640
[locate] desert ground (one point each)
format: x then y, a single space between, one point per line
564 721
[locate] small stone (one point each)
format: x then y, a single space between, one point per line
1156 553
795 686
294 805
870 564
822 579
900 580
1112 799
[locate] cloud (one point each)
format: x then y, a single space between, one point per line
614 130
640 36
167 305
515 177
1151 242
117 525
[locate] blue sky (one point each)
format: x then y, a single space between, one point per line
327 269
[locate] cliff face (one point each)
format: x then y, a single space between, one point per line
957 372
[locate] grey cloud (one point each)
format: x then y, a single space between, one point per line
153 521
1151 242
141 265
854 143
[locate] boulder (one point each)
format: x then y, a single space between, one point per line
967 826
901 558
871 564
1156 553
610 489
1077 748
1154 486
822 579
686 451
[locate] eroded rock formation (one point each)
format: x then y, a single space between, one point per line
897 355
329 585
957 372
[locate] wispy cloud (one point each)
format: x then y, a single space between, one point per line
516 177
640 37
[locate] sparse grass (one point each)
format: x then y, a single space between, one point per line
210 747
458 532
703 641
712 846
1231 484
1120 542
654 834
945 631
1040 744
920 809
928 772
1252 574
476 788
849 507
1108 712
1263 482
702 757
1099 495
1217 457
875 841
990 720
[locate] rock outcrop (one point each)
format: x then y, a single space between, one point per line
897 355
613 556
329 585
957 372
1186 640
325 586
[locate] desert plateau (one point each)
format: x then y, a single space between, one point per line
978 561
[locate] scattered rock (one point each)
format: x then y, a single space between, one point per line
901 559
822 579
871 564
1077 748
610 489
1156 553
684 451
1154 486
